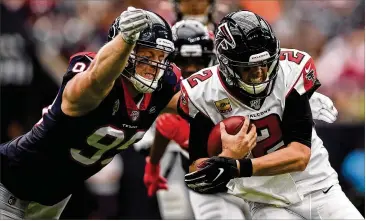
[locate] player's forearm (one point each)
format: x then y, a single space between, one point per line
293 158
171 107
158 148
109 63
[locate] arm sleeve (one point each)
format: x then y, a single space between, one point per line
200 128
297 119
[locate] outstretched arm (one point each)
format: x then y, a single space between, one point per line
86 90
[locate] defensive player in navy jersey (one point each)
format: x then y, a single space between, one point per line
106 103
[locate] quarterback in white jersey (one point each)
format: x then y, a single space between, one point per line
280 166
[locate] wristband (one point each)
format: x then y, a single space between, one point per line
246 167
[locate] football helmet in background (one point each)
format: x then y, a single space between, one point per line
194 46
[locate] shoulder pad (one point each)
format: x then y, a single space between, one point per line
185 106
194 88
79 62
301 75
176 71
173 77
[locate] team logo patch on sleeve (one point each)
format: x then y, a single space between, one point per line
183 103
223 105
309 74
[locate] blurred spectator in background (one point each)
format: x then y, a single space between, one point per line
341 69
25 86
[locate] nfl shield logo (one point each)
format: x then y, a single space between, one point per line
256 104
134 115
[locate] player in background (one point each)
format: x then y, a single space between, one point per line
106 103
279 165
201 11
193 53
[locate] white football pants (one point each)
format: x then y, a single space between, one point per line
218 206
333 204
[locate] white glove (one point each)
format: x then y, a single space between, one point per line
322 108
131 23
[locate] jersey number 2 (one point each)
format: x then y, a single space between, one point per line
193 80
269 135
102 140
290 56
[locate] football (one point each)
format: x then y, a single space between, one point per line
232 126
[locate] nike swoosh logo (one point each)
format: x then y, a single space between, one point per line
308 69
221 170
189 180
327 190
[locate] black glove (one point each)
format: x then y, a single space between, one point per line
213 175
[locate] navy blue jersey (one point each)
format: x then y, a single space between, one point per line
45 164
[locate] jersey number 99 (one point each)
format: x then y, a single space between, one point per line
98 145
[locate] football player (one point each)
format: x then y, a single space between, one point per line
194 51
106 103
201 11
282 168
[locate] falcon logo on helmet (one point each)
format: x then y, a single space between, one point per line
227 38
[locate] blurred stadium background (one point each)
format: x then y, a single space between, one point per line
38 37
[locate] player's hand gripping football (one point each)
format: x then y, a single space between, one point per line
131 23
239 145
152 179
213 175
322 108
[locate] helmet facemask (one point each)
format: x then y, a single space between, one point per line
253 77
192 58
191 65
157 39
147 64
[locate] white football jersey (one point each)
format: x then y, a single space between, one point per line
205 92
